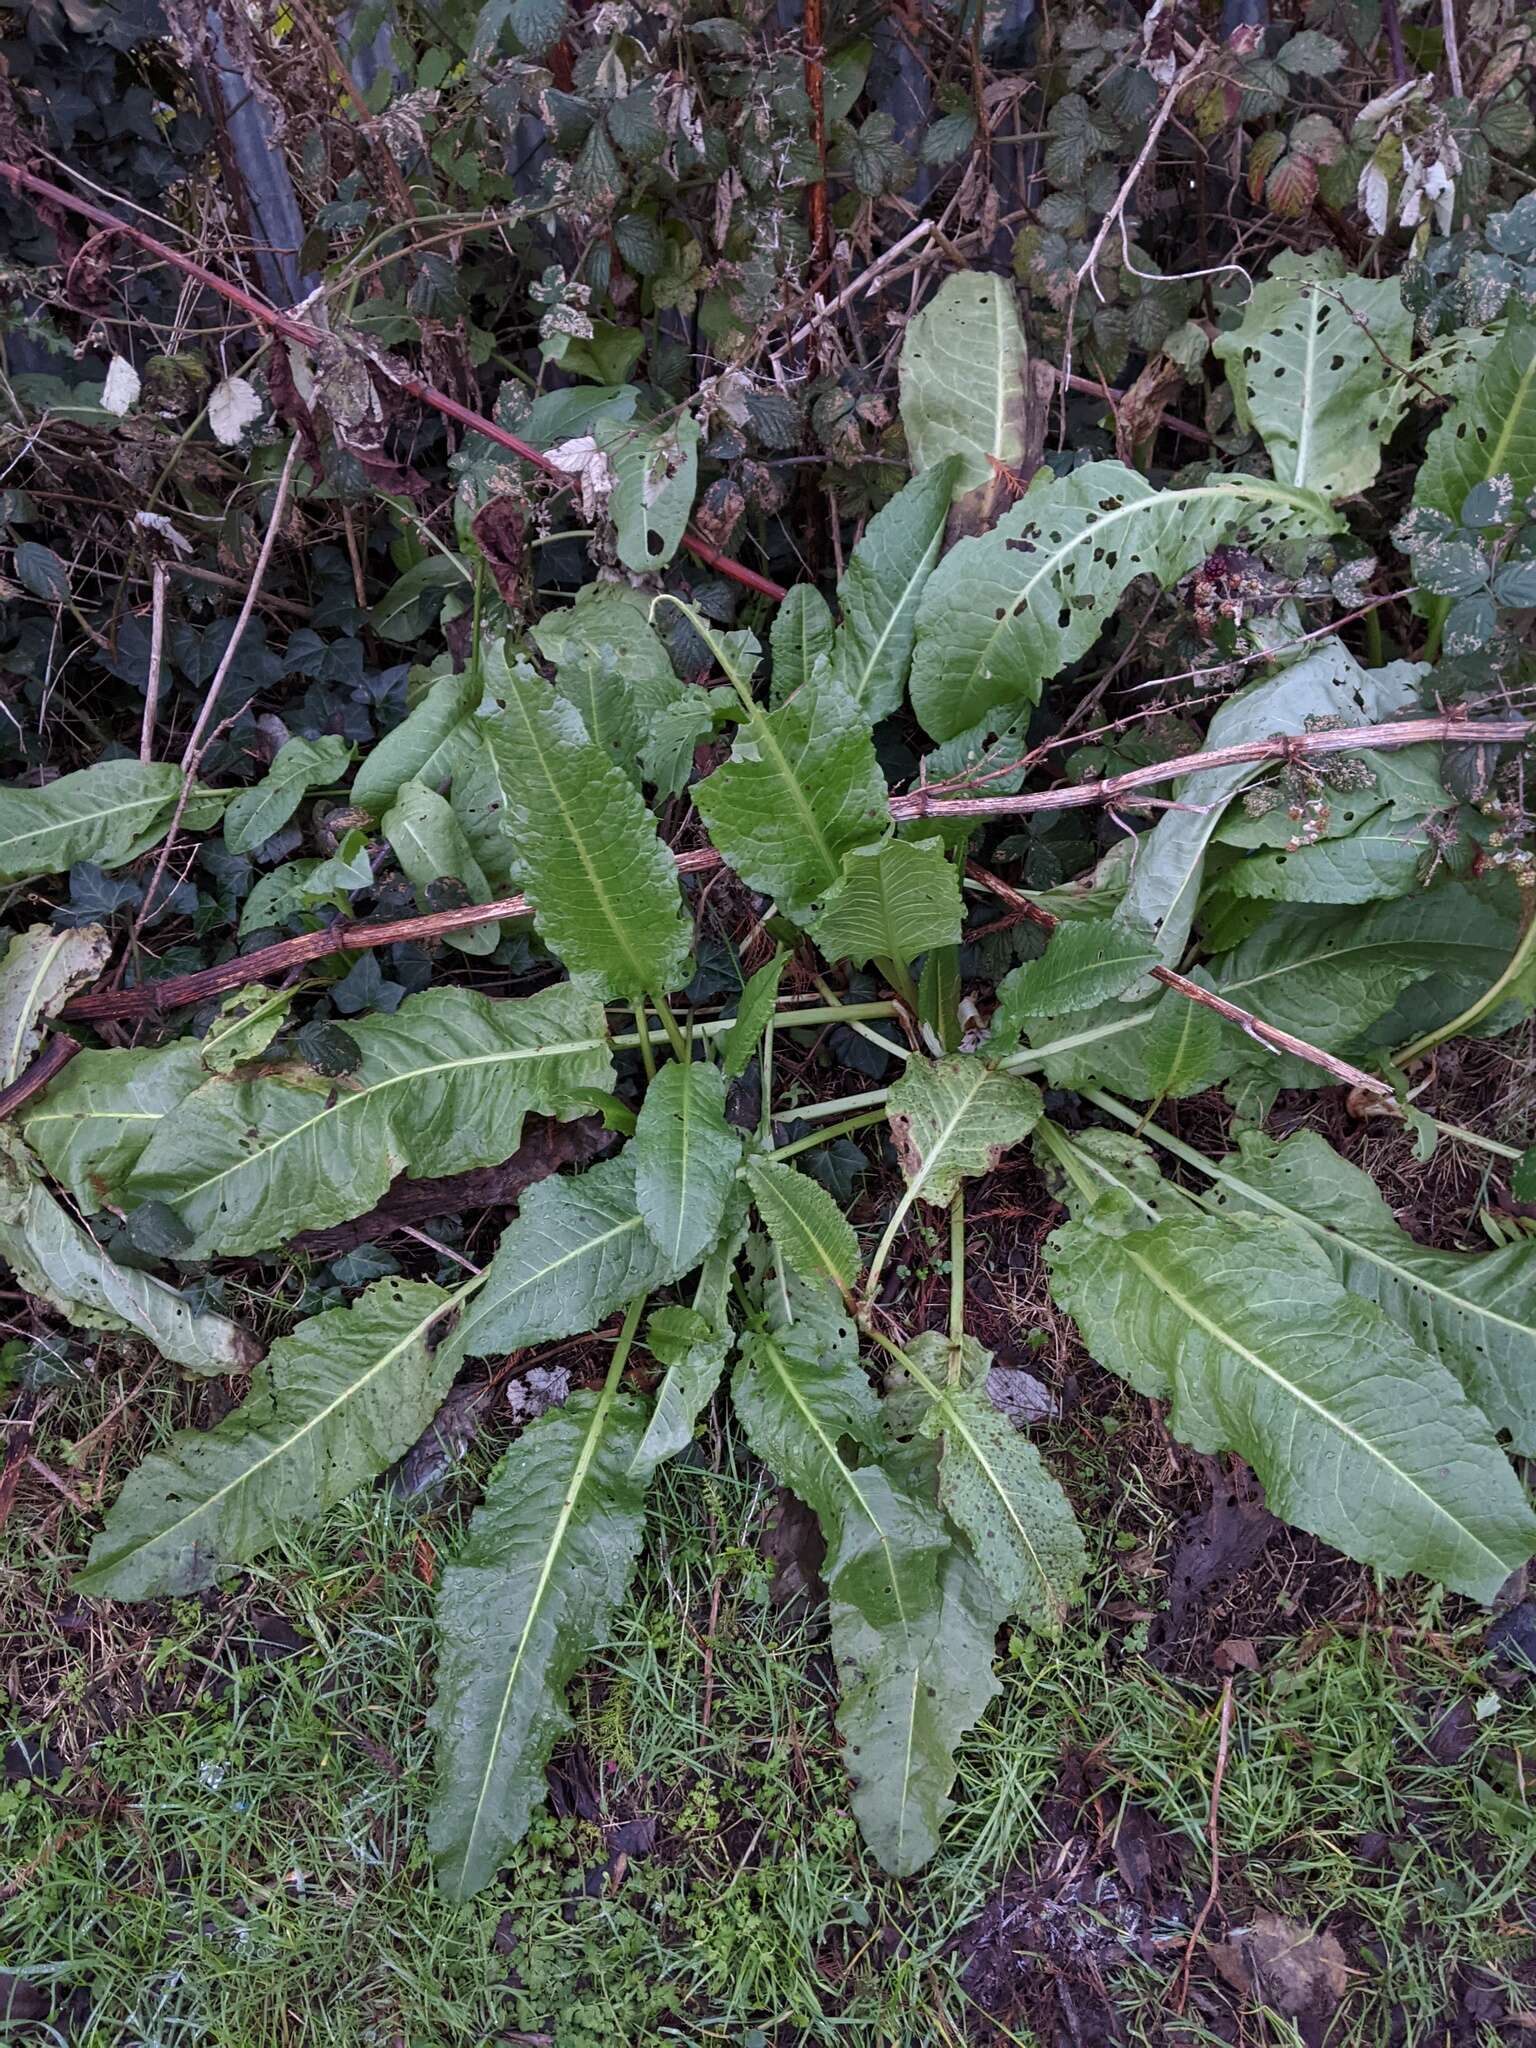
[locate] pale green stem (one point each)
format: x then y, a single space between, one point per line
643 1040
843 1130
620 1358
839 1105
790 1019
669 1024
956 1281
765 1085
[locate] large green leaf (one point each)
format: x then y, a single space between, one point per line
962 379
800 635
804 1222
298 767
802 789
610 663
576 1250
426 838
105 814
1314 368
894 900
913 1619
433 745
55 1259
754 1010
443 1086
1170 860
997 1491
955 1118
342 1397
1004 612
685 1157
41 970
1357 1434
655 474
1379 859
1085 962
879 592
90 1125
1491 429
583 845
1475 1312
543 1568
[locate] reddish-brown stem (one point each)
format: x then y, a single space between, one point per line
300 331
815 92
53 1059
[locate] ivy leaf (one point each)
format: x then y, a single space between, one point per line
955 1118
56 1260
576 1250
1315 367
892 902
913 1620
805 1223
801 633
880 589
1007 610
298 767
443 1085
431 746
429 843
544 1565
583 845
802 788
685 1157
1086 961
655 475
1474 1312
41 970
963 391
342 1397
106 814
1356 1434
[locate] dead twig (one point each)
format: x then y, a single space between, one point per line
1213 1836
152 680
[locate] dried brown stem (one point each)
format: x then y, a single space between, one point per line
1213 1836
50 1062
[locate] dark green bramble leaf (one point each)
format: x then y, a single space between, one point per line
583 845
328 1048
441 1086
685 1157
811 1232
953 1119
873 158
893 901
40 571
342 1397
542 1570
1309 54
1357 1434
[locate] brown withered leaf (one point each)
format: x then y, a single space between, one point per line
1278 1963
1138 413
499 530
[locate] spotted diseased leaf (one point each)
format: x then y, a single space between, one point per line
893 901
955 1118
685 1156
338 1400
583 845
541 1572
1357 1434
802 789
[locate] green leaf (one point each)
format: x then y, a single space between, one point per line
953 1119
805 1223
610 663
1356 1434
432 746
802 788
56 1260
244 1026
913 1620
1007 610
693 1353
1381 858
1315 368
879 592
756 1007
938 999
105 814
1170 860
342 1397
41 970
1491 429
298 767
800 635
997 1491
541 1572
962 380
685 1157
40 571
1184 1049
576 1250
443 1086
583 845
429 843
90 1125
894 900
1522 1182
655 475
412 604
1475 1313
1085 962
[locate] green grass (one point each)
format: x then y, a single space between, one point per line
241 1859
